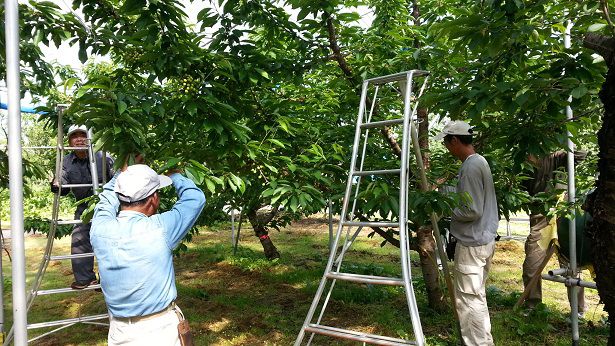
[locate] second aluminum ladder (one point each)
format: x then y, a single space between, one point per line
333 272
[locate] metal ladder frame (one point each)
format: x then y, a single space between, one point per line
354 178
55 222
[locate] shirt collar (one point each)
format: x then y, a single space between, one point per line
130 213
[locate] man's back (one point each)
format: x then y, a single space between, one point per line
476 223
134 251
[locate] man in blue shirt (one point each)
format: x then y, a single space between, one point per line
134 253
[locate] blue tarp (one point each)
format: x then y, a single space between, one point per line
23 109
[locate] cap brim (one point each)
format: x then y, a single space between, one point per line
164 181
75 131
440 136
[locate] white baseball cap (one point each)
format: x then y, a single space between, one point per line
455 127
138 182
77 128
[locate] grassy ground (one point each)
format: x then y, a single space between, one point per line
246 300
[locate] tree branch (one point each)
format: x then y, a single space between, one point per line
337 52
607 14
603 45
338 56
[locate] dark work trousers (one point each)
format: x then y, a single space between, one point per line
83 268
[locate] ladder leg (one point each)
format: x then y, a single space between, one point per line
343 214
403 218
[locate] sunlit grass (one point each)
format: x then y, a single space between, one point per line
244 299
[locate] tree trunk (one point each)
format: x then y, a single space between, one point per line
602 202
425 237
258 222
429 267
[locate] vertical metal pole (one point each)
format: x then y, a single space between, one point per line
403 218
232 226
1 287
93 165
11 24
573 290
104 167
330 207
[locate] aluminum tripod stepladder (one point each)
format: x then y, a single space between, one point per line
333 271
35 290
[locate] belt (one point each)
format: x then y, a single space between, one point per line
146 317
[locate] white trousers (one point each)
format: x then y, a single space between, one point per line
471 269
160 331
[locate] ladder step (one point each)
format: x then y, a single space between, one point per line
382 123
67 321
371 224
68 222
74 148
396 77
366 279
76 185
63 257
377 172
356 336
65 290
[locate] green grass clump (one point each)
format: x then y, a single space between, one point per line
243 299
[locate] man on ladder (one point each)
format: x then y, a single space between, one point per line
76 170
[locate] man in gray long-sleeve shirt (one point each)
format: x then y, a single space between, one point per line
474 224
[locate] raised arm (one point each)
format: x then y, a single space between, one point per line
181 217
108 205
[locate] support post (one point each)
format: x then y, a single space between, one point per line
11 24
574 301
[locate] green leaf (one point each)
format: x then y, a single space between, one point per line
579 91
131 6
210 185
121 106
277 142
596 27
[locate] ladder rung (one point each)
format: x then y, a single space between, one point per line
371 224
67 321
68 222
366 279
382 123
356 336
77 185
63 257
65 290
74 148
401 76
377 172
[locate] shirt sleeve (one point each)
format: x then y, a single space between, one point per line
63 177
108 205
470 182
182 216
110 162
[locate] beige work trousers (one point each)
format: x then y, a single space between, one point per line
471 270
534 255
160 330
